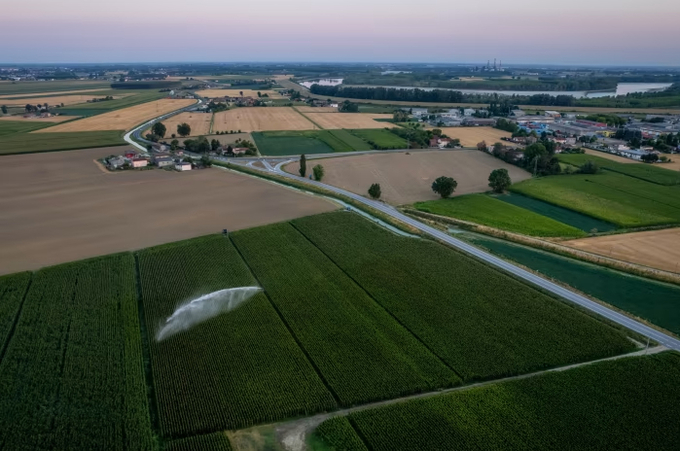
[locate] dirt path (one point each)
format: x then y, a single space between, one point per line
293 435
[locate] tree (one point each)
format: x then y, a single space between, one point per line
348 107
174 144
497 147
205 162
203 146
436 132
4 109
318 172
374 191
482 146
303 166
589 168
534 151
158 129
214 145
650 158
444 186
183 129
499 180
241 92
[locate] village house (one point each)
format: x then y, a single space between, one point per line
183 166
139 162
116 162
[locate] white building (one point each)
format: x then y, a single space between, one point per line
183 166
139 163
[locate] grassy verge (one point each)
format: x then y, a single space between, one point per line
492 212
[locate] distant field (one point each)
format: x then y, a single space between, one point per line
130 98
298 142
611 197
656 248
316 109
15 137
480 322
38 120
382 138
236 92
289 143
653 301
27 87
51 100
600 406
94 93
261 119
560 214
471 136
405 179
347 120
124 119
489 211
654 173
199 122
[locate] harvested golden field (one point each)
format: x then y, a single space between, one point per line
199 123
72 99
316 109
405 179
471 136
349 120
61 93
656 248
38 120
237 93
124 119
261 119
60 206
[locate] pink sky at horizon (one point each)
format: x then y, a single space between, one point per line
522 31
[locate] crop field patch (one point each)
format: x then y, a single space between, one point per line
51 87
482 323
53 93
656 248
72 210
348 120
72 376
471 136
232 371
281 143
380 138
199 123
611 197
490 211
235 92
405 178
217 441
123 119
71 99
600 406
644 171
362 353
12 290
261 119
38 120
316 109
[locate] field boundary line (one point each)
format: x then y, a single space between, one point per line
290 330
379 304
308 118
12 329
146 352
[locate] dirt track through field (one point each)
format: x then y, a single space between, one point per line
261 119
199 123
405 179
656 248
349 120
123 119
60 207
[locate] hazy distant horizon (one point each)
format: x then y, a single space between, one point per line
523 32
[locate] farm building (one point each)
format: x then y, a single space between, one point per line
164 162
139 162
473 122
183 166
116 162
554 114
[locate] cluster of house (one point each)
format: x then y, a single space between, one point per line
454 117
135 160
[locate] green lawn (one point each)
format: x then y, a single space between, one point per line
610 197
489 211
382 138
657 302
563 215
654 173
630 403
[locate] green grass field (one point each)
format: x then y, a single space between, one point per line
629 403
92 109
382 138
490 211
654 173
234 371
12 290
286 143
610 197
362 353
45 142
8 128
207 442
482 323
72 376
354 142
563 215
30 87
656 302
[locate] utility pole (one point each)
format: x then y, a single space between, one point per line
535 165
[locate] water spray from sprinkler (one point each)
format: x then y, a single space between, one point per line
204 308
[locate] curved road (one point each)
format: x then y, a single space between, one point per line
636 326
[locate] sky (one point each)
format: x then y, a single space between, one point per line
588 32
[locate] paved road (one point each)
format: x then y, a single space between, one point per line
660 337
